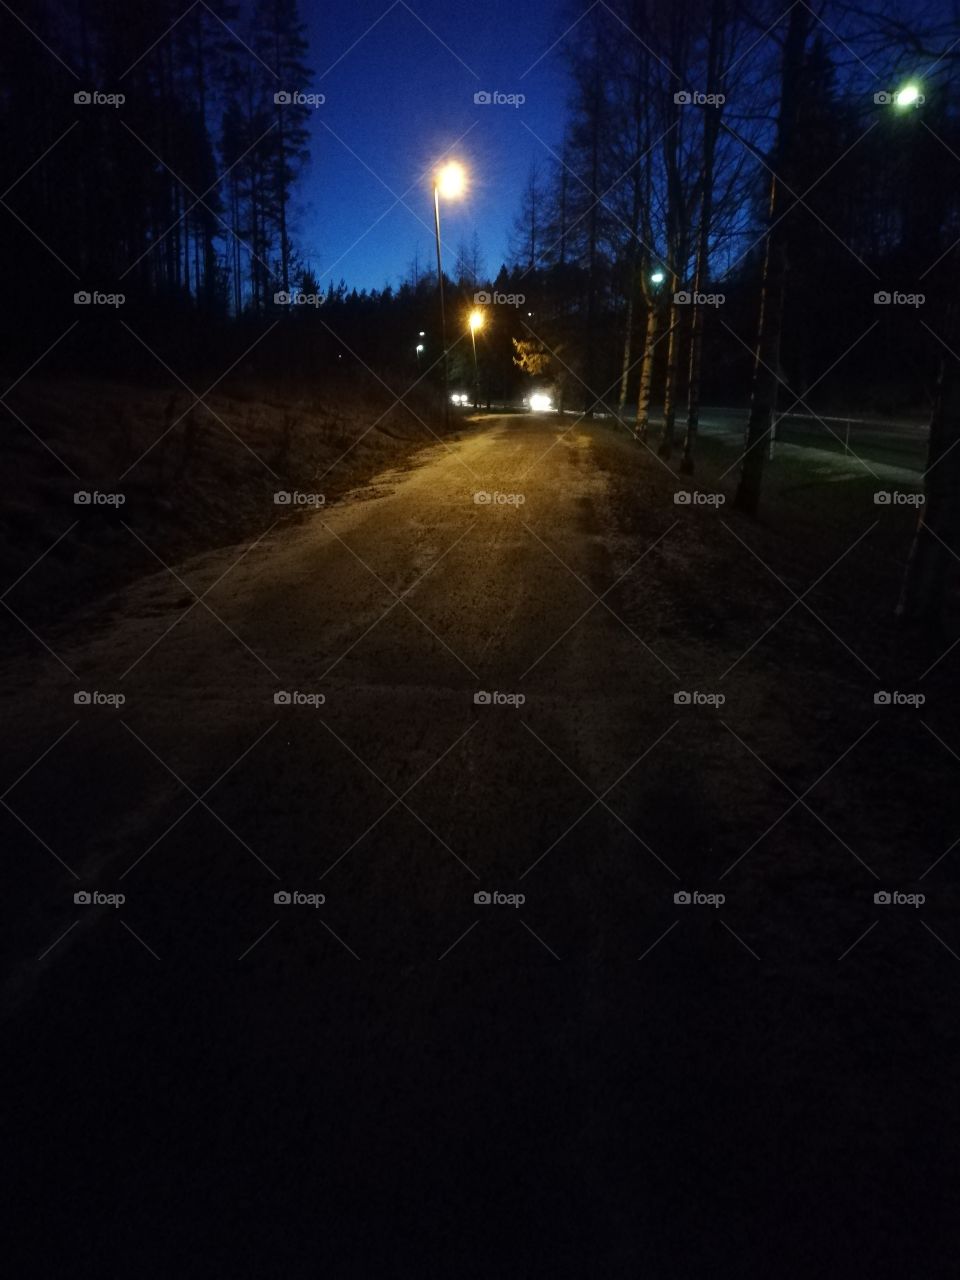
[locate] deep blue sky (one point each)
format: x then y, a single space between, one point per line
398 99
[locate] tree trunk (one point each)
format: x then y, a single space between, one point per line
646 372
924 582
627 348
763 399
711 129
670 384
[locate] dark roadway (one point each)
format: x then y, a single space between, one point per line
400 1081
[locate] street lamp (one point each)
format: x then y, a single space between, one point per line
908 96
657 278
449 182
419 354
476 322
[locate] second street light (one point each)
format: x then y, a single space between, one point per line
448 182
476 322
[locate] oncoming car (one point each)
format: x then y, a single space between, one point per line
541 400
459 397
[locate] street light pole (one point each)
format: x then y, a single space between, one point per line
443 319
475 323
450 180
476 368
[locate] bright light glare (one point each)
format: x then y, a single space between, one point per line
908 96
460 397
419 346
540 403
451 180
476 320
657 277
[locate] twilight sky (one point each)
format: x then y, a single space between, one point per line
397 98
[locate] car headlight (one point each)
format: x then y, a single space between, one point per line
541 403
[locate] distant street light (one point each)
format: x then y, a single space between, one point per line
476 322
449 182
657 278
419 354
909 96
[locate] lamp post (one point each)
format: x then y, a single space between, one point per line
476 322
449 183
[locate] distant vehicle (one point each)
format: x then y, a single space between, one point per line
459 397
540 401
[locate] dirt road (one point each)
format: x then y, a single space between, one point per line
579 1077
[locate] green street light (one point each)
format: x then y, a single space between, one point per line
909 96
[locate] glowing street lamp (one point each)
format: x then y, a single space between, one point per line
909 96
449 182
476 322
657 278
